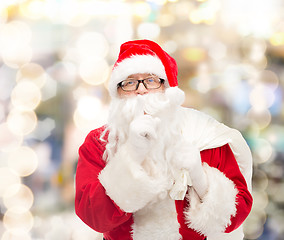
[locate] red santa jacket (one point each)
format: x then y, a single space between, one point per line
219 215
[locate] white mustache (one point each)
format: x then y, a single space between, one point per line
158 103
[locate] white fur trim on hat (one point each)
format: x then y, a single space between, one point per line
135 64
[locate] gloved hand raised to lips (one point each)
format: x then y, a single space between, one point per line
142 133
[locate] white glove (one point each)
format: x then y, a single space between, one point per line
187 156
142 131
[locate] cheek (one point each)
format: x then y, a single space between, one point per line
161 89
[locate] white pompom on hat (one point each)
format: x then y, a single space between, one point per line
143 56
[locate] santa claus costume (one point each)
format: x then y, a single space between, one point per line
126 194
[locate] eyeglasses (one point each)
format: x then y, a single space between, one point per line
152 82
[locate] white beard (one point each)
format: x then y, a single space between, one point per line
158 218
164 106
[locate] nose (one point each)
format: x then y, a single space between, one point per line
141 89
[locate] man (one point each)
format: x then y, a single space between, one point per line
158 170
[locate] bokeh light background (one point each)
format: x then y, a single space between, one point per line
55 61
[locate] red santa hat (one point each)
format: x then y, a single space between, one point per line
143 56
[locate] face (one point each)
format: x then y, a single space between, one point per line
141 90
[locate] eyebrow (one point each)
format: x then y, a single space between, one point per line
151 75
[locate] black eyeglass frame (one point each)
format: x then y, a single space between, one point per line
141 81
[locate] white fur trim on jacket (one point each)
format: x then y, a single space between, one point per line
213 214
237 234
157 221
135 64
128 184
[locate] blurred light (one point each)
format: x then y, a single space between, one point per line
17 56
100 8
170 46
34 9
257 51
270 79
15 33
260 180
141 9
158 2
263 151
8 178
236 91
261 97
9 141
253 227
2 112
148 30
275 135
32 72
24 161
262 118
64 72
260 200
247 20
7 235
205 13
92 44
194 54
90 113
80 91
165 20
26 96
94 70
21 122
275 223
49 89
195 17
201 16
3 14
278 197
18 196
275 171
18 219
88 106
7 3
43 129
6 85
277 39
203 83
74 13
15 37
217 51
44 151
182 9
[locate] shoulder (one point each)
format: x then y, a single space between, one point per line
96 138
98 134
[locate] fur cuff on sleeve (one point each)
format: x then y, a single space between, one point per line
237 234
213 214
128 184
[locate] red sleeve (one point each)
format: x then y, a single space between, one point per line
92 204
223 159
